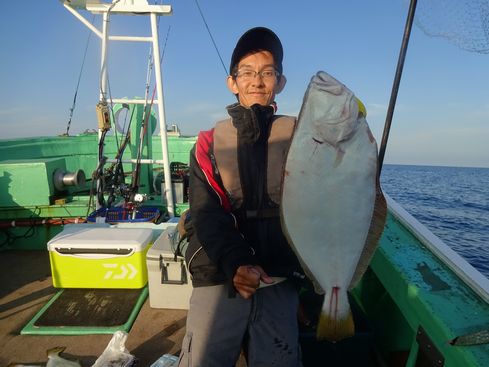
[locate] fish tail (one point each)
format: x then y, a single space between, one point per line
333 324
55 352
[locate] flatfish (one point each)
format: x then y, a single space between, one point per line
332 209
54 360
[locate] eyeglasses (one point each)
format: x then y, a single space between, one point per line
247 74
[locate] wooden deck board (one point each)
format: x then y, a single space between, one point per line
27 286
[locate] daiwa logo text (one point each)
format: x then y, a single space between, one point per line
119 271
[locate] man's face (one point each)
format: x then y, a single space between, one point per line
259 88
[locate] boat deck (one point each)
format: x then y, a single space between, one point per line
26 286
410 301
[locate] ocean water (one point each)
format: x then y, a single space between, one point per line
453 202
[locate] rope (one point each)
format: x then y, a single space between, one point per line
212 38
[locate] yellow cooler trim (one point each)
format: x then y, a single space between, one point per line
74 271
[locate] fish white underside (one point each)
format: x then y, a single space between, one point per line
329 208
329 190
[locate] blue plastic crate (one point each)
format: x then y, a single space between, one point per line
120 215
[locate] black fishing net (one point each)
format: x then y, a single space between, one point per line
465 23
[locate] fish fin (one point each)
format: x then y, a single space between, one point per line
333 329
55 359
480 337
336 320
376 228
317 287
56 351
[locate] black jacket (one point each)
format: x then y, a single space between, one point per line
219 241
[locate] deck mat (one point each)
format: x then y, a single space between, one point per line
88 311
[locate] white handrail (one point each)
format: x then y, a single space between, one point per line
140 7
161 116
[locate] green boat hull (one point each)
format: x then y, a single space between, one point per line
410 303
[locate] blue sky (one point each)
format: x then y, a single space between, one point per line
442 111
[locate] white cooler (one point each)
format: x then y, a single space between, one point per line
169 281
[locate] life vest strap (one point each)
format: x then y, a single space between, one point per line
263 213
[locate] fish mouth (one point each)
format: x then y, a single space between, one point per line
325 87
326 83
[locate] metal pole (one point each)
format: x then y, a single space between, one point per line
103 89
103 61
395 86
83 20
161 118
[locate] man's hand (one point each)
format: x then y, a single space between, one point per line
247 279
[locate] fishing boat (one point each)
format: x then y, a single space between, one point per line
418 304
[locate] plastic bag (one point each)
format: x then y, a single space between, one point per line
166 360
116 354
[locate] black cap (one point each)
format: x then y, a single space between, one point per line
258 39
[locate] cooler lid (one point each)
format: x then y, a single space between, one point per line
92 238
164 244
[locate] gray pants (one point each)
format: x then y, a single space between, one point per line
264 325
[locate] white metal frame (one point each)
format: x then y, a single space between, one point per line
131 7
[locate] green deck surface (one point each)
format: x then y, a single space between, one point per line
72 324
407 287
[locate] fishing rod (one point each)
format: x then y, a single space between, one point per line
212 38
146 117
137 170
72 109
116 171
395 86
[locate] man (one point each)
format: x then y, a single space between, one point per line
244 272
